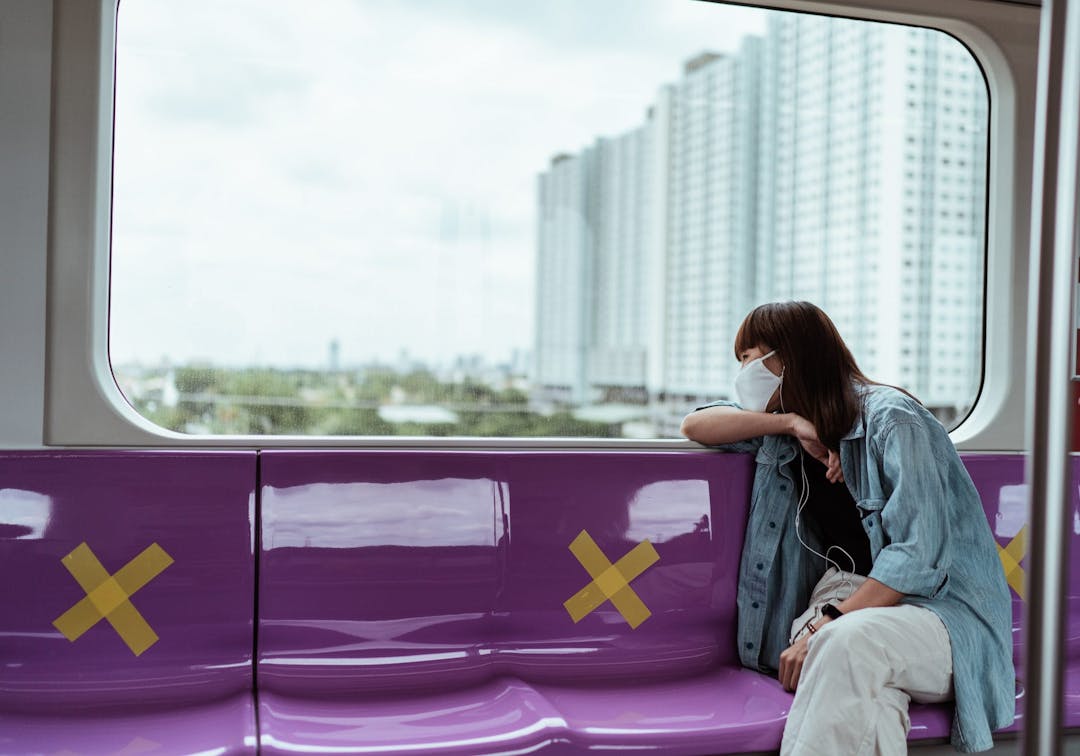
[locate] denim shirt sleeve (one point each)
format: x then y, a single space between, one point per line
749 445
915 558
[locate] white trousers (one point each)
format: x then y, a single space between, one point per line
860 673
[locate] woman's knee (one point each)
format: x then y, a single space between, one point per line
846 653
845 639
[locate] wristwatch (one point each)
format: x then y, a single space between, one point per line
831 612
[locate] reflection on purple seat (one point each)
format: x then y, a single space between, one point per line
415 600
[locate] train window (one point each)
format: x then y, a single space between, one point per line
484 218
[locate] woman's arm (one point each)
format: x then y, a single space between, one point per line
870 594
713 426
914 520
724 424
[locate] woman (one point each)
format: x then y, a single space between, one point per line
864 520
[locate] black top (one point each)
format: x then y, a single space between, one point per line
832 513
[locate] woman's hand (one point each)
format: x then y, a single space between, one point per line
791 663
833 472
806 434
803 430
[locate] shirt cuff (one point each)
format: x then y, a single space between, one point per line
904 575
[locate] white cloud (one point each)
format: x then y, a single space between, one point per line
289 174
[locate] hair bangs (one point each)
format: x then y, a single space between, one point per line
755 330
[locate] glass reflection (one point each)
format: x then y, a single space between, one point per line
1011 511
666 509
443 512
23 514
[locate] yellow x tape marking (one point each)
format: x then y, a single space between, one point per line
1010 560
610 581
107 595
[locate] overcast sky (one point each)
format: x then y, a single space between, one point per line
361 170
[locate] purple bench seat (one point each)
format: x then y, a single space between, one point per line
414 601
409 601
736 707
225 727
189 691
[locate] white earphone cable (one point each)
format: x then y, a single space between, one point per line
847 585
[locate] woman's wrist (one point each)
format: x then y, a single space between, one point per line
791 420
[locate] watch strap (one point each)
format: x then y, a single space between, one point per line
831 612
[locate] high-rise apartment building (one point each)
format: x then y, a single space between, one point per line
622 211
872 193
946 112
837 161
600 229
820 188
711 218
563 279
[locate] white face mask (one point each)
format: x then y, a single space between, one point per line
755 384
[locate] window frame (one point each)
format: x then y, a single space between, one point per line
84 406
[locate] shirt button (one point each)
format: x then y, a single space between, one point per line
755 605
749 645
783 486
870 524
761 565
772 524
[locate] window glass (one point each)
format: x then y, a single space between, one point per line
482 218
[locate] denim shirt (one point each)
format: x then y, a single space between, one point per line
929 539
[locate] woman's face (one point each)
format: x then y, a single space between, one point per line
772 363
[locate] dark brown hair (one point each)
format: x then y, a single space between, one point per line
819 370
